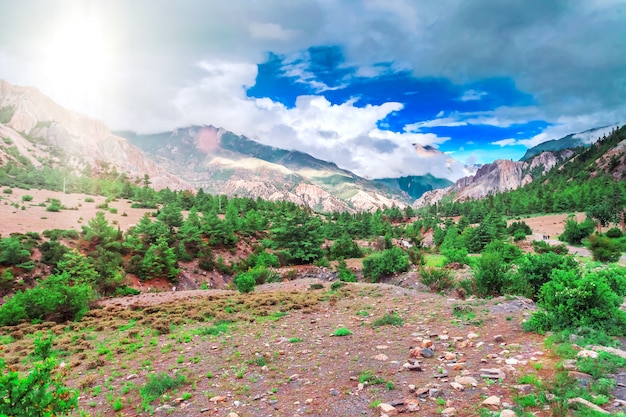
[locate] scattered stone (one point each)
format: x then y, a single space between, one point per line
434 392
524 388
457 386
163 408
381 357
308 401
444 337
131 376
507 413
441 374
411 388
580 375
413 365
427 353
412 405
382 347
388 409
511 361
449 356
233 414
587 404
587 354
498 338
617 352
466 381
415 353
426 343
472 335
492 373
493 400
422 392
217 399
570 365
294 377
360 386
334 392
448 412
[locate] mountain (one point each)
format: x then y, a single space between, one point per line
499 176
416 186
35 129
571 141
219 161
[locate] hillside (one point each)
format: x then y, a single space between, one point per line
219 161
37 132
571 141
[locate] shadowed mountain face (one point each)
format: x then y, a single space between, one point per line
219 161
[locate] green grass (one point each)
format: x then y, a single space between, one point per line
434 260
158 385
342 331
371 378
389 320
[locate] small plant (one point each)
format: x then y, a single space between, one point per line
117 404
336 285
371 378
389 320
89 200
27 197
7 191
295 340
157 385
342 331
316 286
436 279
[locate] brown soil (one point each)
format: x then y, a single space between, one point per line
307 370
35 218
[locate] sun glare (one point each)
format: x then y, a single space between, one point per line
77 59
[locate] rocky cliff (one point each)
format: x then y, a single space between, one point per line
46 133
499 176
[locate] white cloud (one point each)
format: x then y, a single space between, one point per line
505 142
343 133
271 31
472 95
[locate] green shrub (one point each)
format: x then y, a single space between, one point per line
437 279
41 392
388 320
262 275
157 385
89 200
345 248
509 253
604 249
7 191
337 285
614 233
544 247
455 255
13 251
342 331
245 282
385 263
322 262
53 299
519 228
27 197
491 274
575 232
344 273
535 270
569 301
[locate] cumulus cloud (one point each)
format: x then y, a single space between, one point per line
472 95
272 31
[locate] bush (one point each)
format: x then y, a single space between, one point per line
385 263
536 270
53 299
89 200
519 228
604 249
614 233
569 301
7 191
345 248
491 274
509 253
455 255
388 320
158 385
41 392
437 279
544 247
344 273
27 197
245 282
574 232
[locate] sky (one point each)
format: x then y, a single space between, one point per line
356 82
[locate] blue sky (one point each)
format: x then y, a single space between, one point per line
371 85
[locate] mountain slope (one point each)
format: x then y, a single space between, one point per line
571 141
416 186
499 176
219 161
35 129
